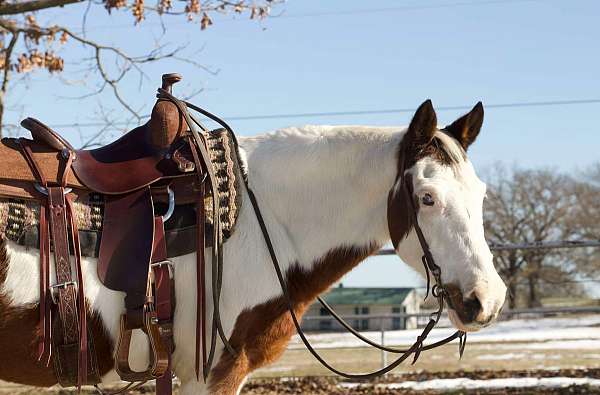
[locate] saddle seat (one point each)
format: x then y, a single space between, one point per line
133 161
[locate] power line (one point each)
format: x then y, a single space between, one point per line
559 244
401 8
527 246
358 112
409 110
541 280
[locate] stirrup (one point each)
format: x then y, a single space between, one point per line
159 354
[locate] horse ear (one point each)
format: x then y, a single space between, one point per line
423 125
466 128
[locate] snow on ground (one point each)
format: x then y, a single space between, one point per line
574 332
464 383
516 356
544 344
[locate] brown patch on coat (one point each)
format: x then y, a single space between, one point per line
261 334
19 331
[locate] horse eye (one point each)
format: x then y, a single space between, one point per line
427 200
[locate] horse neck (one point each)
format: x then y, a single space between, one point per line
324 189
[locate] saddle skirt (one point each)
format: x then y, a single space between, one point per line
19 218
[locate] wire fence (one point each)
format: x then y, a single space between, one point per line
423 316
541 245
381 322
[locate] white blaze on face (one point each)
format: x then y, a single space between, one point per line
449 196
452 223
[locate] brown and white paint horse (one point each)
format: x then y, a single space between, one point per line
323 191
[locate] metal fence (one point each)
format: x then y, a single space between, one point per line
423 317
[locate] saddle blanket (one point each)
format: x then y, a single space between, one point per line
19 219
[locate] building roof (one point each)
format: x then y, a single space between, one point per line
371 296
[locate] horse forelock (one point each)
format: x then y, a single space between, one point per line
444 150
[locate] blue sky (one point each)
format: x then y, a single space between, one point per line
339 56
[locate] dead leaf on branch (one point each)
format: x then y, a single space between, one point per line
38 60
116 4
205 22
192 8
138 10
164 5
31 22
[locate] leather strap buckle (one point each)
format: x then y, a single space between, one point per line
44 191
159 264
55 287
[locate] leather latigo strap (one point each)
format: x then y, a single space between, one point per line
56 220
45 319
202 160
162 272
65 285
70 296
200 284
200 277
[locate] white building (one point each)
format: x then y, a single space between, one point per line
352 303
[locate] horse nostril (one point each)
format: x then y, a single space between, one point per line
472 307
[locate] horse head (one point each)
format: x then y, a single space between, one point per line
438 194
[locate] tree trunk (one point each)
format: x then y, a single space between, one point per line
534 298
531 300
513 270
512 293
533 277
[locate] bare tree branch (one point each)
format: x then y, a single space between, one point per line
102 68
31 6
535 206
6 75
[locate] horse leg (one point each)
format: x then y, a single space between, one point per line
193 387
260 336
229 375
229 384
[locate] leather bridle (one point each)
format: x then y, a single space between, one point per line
437 290
431 270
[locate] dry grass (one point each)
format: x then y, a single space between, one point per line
481 360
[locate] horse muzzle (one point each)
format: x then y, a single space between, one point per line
473 311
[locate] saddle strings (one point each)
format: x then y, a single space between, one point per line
217 250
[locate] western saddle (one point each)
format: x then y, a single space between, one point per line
160 164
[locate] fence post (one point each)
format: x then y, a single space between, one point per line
383 353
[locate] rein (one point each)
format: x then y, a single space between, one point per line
431 268
437 291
